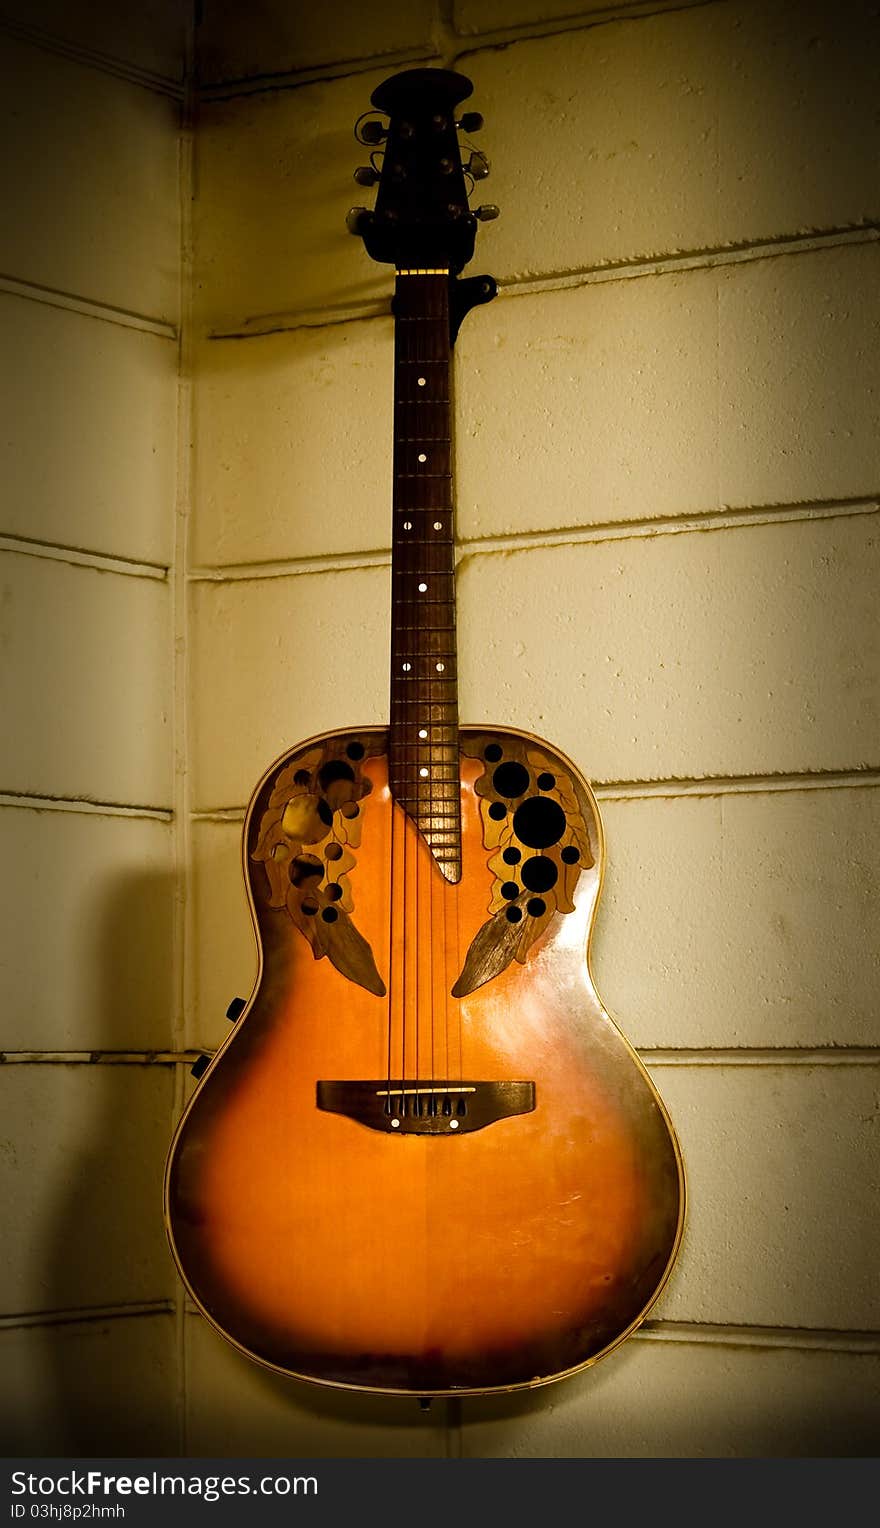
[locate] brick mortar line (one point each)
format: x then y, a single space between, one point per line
520 541
86 307
447 46
99 562
86 1314
25 801
91 58
260 326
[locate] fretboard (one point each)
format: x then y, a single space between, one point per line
423 743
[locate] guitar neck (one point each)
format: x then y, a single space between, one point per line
423 742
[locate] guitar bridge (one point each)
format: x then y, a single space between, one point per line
418 1107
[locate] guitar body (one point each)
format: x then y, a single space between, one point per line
425 1160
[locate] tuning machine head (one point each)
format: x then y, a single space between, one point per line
477 166
372 132
471 122
487 212
366 175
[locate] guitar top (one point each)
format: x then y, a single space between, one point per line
425 1161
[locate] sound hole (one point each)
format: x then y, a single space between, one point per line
511 856
514 914
492 752
510 890
304 867
536 906
333 770
497 810
539 873
355 750
511 779
570 854
333 851
539 822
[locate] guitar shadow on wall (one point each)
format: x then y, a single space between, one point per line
111 1379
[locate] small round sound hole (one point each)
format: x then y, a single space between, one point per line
355 750
514 914
333 851
333 770
511 779
539 873
510 890
329 915
492 752
539 822
570 854
511 856
497 810
536 907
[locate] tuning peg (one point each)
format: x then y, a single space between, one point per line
471 122
365 175
356 220
487 212
373 132
477 165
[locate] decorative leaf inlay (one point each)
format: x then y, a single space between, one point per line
538 843
306 842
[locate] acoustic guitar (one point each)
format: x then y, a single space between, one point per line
425 1161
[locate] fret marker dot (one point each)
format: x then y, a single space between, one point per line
422 456
423 772
407 525
423 732
438 525
406 667
440 667
423 588
421 381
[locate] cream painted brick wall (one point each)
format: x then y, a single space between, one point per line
782 1169
676 394
281 37
687 130
90 259
689 1401
238 1409
88 448
224 951
89 1389
149 35
93 182
86 689
778 948
486 15
257 689
745 651
86 931
84 1191
751 384
291 432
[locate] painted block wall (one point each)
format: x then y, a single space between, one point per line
667 514
90 311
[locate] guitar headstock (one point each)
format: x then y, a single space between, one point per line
422 217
